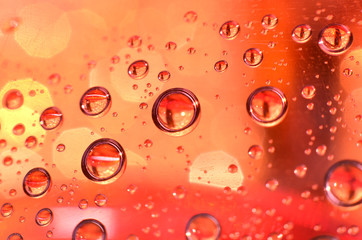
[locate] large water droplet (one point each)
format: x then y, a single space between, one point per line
96 101
203 227
6 210
253 57
267 106
36 182
221 66
15 236
255 152
308 92
269 21
229 30
335 39
138 69
51 118
44 217
302 33
343 183
176 111
89 229
13 99
103 160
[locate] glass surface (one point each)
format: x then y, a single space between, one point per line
261 140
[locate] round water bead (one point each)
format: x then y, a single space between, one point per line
203 226
335 39
51 118
96 101
36 182
89 229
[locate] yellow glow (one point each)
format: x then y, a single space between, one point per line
216 164
45 30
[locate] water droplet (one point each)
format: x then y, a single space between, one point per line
171 46
15 236
31 142
275 236
347 72
8 161
60 147
190 17
310 106
83 204
267 106
253 57
256 152
179 192
44 217
191 50
221 66
302 33
138 69
103 160
51 118
100 200
180 149
54 79
272 184
96 101
321 150
132 189
353 230
229 30
89 229
203 226
12 192
308 92
143 105
36 182
49 234
335 39
6 210
300 171
13 99
18 129
269 21
148 143
343 183
134 41
176 111
164 76
68 89
232 168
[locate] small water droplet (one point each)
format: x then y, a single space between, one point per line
138 69
164 76
103 160
190 17
256 152
49 234
302 33
308 92
221 66
89 229
132 237
132 189
143 105
300 171
171 46
15 236
343 183
51 118
134 41
203 226
54 79
347 72
267 106
7 161
353 230
44 217
335 39
229 30
6 210
36 182
269 21
232 168
31 142
13 99
83 204
179 192
191 50
60 147
68 89
96 101
100 200
18 129
148 143
12 192
272 184
175 111
321 150
253 57
275 236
